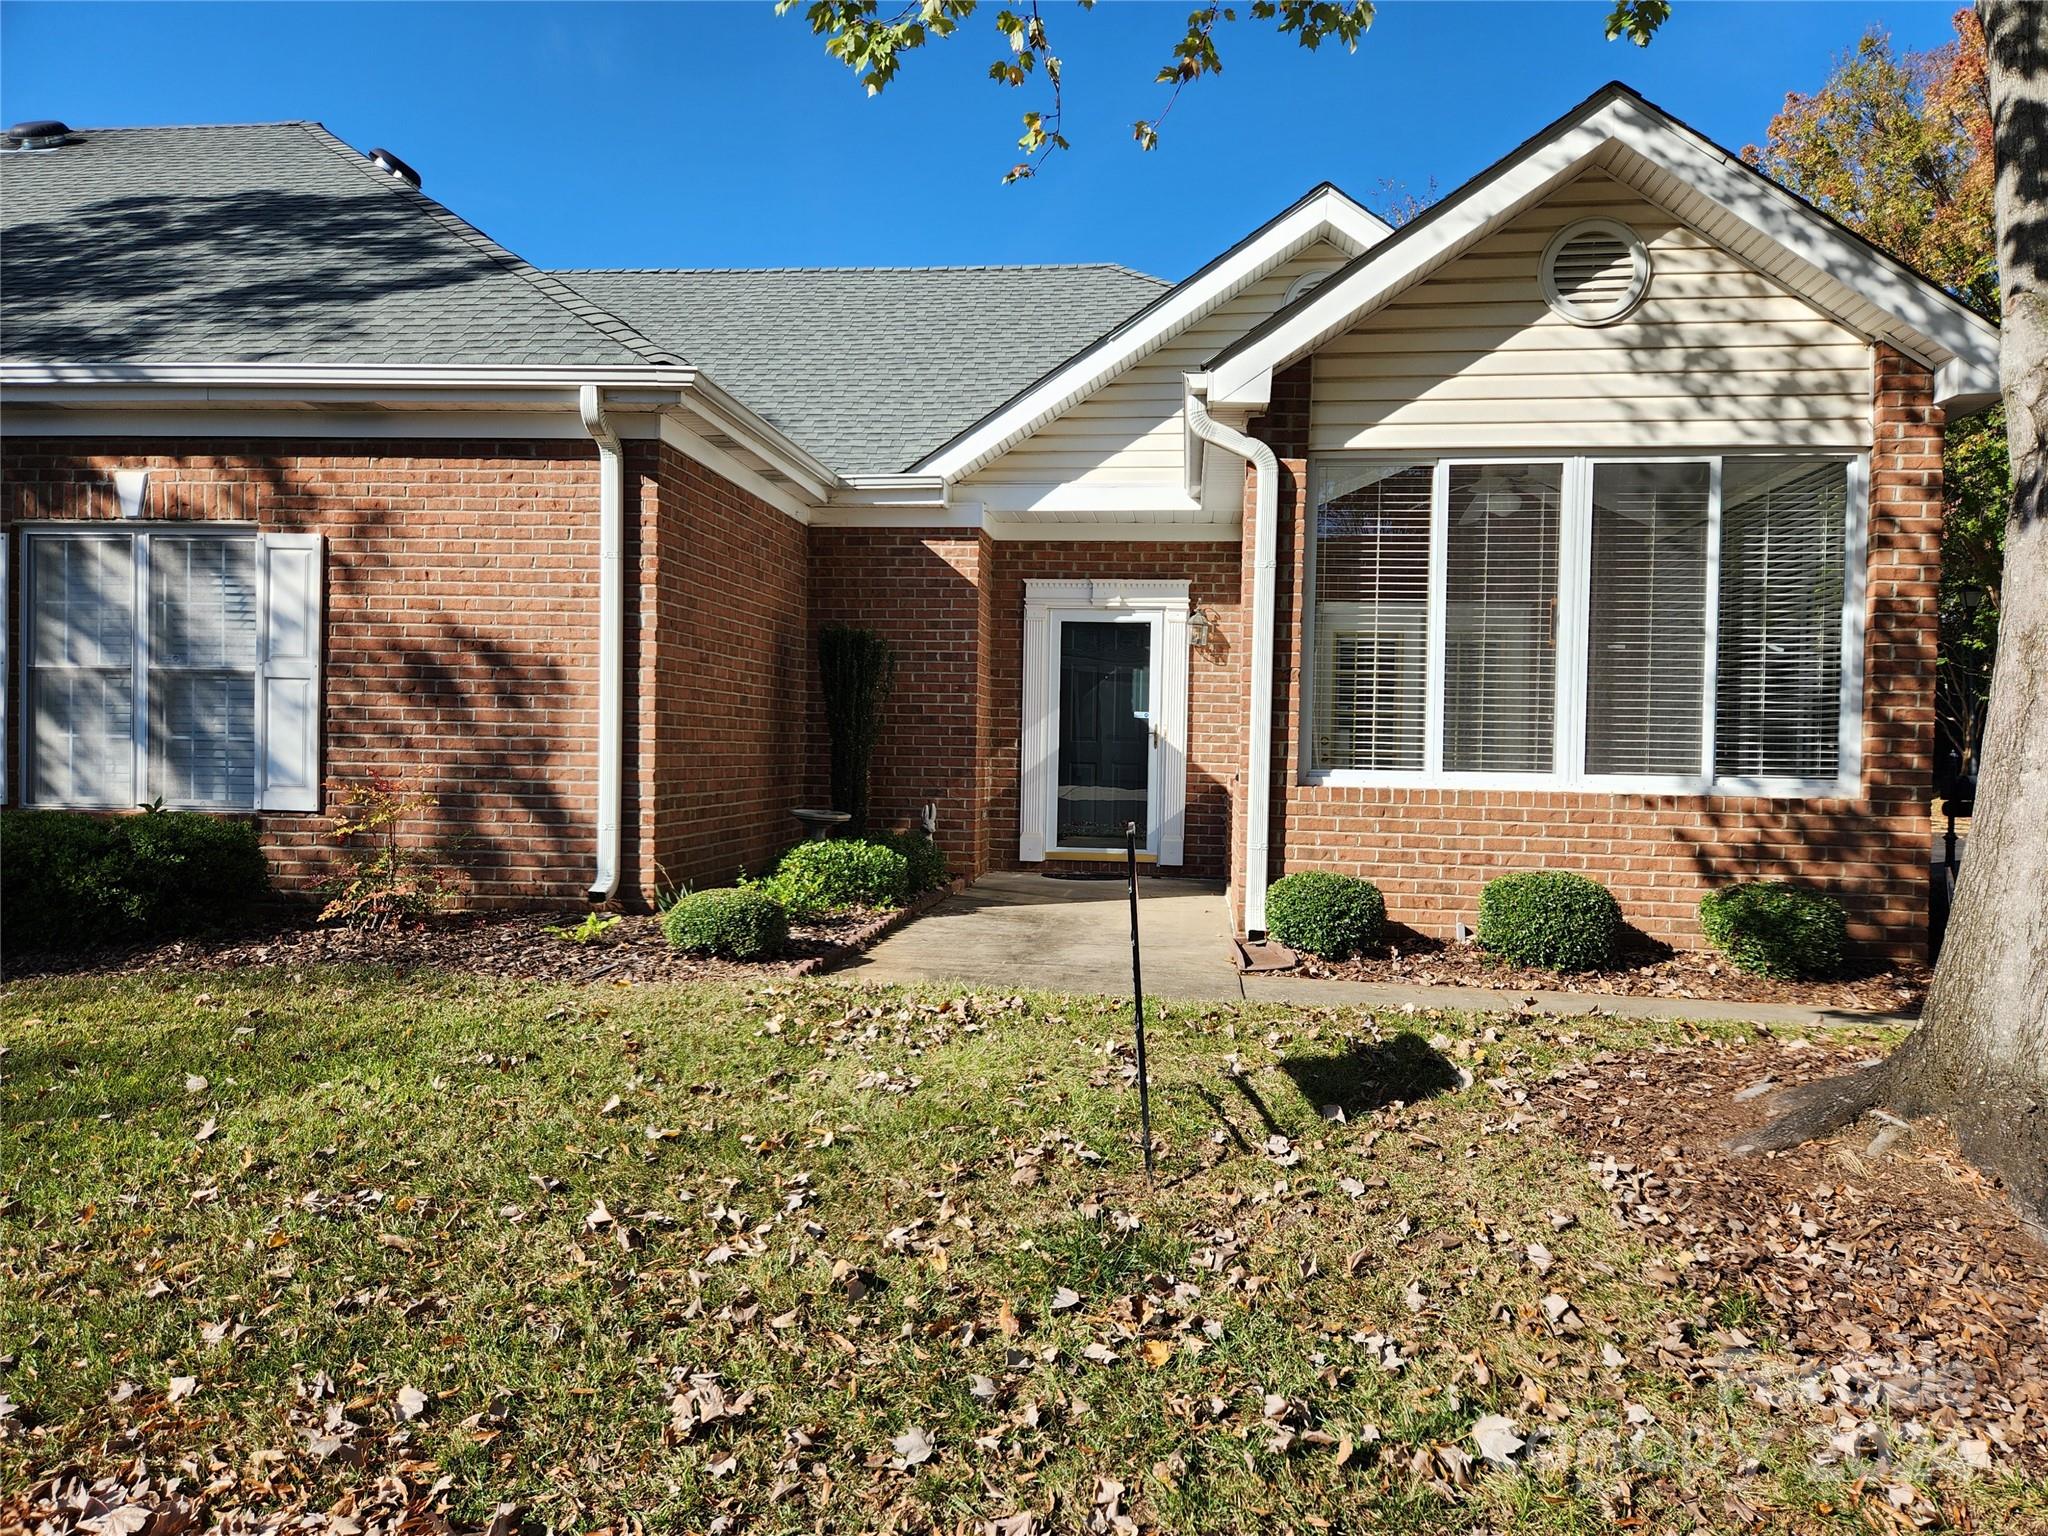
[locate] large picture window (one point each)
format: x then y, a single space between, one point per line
178 665
1667 624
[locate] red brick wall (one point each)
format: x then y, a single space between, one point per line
1215 697
923 590
461 637
724 674
1431 850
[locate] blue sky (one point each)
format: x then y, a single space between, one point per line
721 135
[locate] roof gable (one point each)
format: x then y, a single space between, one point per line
267 243
1324 214
1639 144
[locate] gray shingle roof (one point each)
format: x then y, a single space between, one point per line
872 368
270 242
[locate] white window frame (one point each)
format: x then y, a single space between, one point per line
1048 604
1575 567
139 537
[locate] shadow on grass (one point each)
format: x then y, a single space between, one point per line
1372 1075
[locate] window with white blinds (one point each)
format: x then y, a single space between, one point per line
1646 648
1585 621
1779 683
1500 644
1371 560
171 665
202 670
81 670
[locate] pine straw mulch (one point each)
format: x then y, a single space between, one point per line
512 947
1646 969
1911 1300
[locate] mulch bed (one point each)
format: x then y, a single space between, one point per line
1912 1302
514 947
1645 970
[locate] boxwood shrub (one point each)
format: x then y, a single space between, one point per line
1549 918
1772 929
1330 916
833 874
70 880
733 923
927 860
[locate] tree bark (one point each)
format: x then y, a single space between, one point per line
1980 1057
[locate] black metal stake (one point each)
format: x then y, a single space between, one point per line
1138 996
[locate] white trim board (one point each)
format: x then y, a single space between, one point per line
1044 602
1733 205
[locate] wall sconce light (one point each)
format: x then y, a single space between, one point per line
1201 629
129 487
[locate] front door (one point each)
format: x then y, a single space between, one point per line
1106 731
1105 719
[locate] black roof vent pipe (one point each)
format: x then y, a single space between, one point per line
40 133
395 168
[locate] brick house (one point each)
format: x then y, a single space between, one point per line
1590 520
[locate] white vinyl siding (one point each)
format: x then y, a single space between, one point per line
144 655
1130 431
1655 625
1783 523
1715 356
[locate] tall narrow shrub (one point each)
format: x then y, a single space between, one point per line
857 669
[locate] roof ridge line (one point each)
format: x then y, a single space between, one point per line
982 266
599 319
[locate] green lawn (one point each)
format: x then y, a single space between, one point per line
819 1260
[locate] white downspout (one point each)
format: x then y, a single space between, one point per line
1259 724
611 637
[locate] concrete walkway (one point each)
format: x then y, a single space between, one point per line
1015 932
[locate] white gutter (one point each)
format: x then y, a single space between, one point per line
1265 563
611 637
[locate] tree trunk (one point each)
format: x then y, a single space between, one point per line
1980 1058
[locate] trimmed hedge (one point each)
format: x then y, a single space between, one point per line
1330 916
733 923
70 880
1549 918
1771 929
927 860
833 874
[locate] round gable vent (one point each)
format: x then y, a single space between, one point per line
1595 271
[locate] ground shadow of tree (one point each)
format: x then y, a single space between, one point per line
1373 1074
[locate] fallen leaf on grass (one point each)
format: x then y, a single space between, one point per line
1495 1435
913 1447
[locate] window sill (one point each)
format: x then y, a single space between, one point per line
1551 783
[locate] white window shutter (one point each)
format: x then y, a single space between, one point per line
289 682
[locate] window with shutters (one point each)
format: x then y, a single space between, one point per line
147 668
1675 625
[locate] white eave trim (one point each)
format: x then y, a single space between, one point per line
1960 345
1324 214
711 424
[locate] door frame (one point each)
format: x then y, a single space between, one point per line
1046 603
